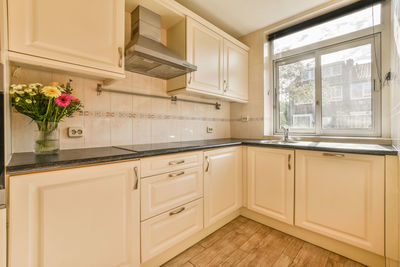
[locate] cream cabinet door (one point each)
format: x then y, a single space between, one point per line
270 182
236 64
3 238
205 50
78 217
342 196
84 33
222 183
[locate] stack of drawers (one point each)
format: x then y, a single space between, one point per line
171 201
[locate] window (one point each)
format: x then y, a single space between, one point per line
329 88
347 24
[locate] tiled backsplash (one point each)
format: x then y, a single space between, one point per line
120 119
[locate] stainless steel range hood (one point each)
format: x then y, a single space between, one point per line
146 55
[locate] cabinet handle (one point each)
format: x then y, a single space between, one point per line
190 78
208 163
176 174
289 162
333 155
176 162
120 57
225 86
135 185
176 211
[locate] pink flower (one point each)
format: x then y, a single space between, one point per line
74 99
63 100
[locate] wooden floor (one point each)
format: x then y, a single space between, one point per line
244 242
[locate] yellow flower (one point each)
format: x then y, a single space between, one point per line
51 91
28 101
54 84
17 99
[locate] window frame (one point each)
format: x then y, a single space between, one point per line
316 51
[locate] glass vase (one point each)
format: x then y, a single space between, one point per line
46 137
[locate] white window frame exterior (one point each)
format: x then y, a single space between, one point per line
316 50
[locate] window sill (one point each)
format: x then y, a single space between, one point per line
335 139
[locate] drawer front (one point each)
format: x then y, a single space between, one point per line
162 232
170 190
169 163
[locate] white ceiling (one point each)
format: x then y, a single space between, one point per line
240 17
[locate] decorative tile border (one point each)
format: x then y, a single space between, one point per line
101 114
152 116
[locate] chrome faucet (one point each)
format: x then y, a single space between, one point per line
285 133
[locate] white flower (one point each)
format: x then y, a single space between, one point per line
32 93
12 91
28 101
28 90
20 92
17 99
13 85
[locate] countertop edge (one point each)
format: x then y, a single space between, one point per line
51 166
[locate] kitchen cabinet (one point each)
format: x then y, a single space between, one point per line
205 50
342 196
163 192
236 68
77 217
222 183
222 64
270 182
3 238
169 163
165 230
74 35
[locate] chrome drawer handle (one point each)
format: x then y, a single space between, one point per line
176 162
333 155
208 164
176 211
176 174
135 186
120 57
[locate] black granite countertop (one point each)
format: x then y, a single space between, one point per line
28 162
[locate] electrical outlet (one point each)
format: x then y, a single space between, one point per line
74 132
210 129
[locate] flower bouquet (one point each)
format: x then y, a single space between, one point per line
47 106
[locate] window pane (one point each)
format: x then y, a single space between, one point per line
346 94
350 23
297 94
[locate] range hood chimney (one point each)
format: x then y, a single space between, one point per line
146 55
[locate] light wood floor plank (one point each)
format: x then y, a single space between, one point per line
244 242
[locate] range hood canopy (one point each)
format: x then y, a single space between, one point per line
146 54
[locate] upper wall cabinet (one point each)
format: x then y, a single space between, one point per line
204 49
77 36
222 64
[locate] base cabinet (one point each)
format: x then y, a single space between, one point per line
342 196
79 217
165 230
270 182
3 238
222 183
